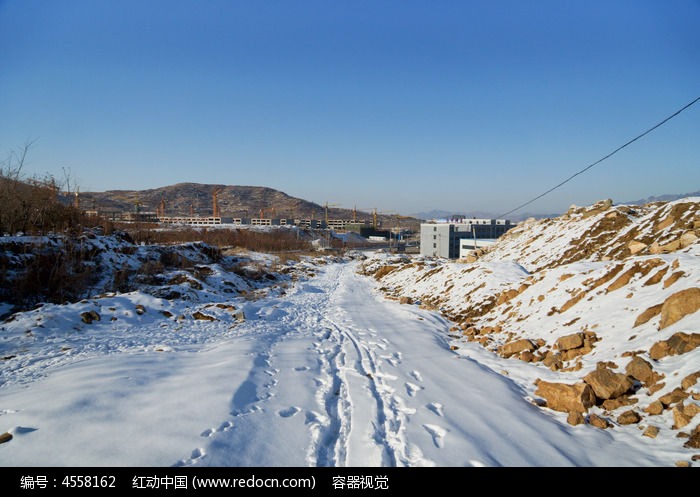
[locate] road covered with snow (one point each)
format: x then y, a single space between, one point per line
330 373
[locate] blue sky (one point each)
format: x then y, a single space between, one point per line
402 106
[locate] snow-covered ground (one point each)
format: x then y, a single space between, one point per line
319 368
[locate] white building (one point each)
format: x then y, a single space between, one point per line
444 239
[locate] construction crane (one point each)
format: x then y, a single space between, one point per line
160 212
326 210
215 203
373 210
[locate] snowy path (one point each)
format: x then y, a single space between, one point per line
331 374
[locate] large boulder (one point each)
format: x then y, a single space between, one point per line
563 397
517 347
606 384
684 414
568 342
679 343
89 316
629 417
679 305
641 370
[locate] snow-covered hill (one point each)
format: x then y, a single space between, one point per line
604 294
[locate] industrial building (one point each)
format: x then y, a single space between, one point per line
442 239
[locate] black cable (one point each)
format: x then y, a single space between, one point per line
601 160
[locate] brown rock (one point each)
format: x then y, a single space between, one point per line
598 421
668 221
516 347
673 397
679 305
566 398
656 277
607 384
5 437
636 246
645 316
612 404
673 278
140 309
679 343
570 354
405 300
552 360
652 389
639 369
682 464
687 239
506 296
527 356
694 440
651 431
629 417
202 317
655 408
573 341
683 415
690 380
89 316
575 418
670 246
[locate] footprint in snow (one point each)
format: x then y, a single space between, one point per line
196 455
313 417
436 407
225 426
438 433
289 412
412 389
302 368
207 433
417 375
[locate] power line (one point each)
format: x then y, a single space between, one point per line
602 159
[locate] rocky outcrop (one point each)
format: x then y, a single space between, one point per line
645 316
679 305
683 414
563 397
516 347
679 343
642 371
629 417
606 384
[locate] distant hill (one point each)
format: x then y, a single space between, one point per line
440 214
185 199
663 198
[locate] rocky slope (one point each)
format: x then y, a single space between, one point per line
603 300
